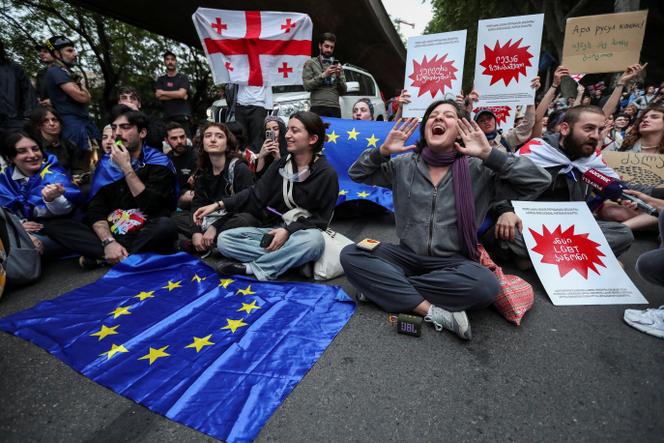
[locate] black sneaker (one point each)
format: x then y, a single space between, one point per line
307 270
89 264
232 268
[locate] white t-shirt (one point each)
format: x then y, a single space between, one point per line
255 96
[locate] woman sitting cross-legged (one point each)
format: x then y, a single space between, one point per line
36 188
295 198
221 173
441 193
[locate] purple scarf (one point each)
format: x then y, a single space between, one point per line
463 197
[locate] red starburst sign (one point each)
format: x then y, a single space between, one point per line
433 75
501 112
506 62
567 250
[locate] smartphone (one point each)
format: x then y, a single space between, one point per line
269 135
266 240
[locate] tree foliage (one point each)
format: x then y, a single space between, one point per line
111 53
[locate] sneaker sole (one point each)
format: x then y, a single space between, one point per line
461 322
650 330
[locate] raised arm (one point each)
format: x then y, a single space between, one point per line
612 103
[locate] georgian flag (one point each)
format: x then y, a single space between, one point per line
254 47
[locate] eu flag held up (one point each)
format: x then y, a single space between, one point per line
218 354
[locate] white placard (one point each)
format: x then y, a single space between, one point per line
571 256
507 59
434 69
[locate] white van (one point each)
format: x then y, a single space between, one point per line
293 98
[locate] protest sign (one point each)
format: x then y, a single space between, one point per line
603 43
434 69
571 256
507 59
637 168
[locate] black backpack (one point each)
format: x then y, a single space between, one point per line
20 258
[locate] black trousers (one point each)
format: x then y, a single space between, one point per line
157 235
398 280
253 120
326 111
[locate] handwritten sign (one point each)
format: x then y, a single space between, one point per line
637 168
603 43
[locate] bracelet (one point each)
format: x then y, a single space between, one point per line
219 204
620 84
129 172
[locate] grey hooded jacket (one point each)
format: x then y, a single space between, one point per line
426 215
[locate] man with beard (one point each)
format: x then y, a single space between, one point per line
184 159
324 78
69 96
566 155
172 90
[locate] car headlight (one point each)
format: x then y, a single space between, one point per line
287 109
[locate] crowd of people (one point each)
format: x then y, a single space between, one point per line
260 192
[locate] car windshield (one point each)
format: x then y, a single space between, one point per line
287 88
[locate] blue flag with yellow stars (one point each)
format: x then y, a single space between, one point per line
218 354
346 140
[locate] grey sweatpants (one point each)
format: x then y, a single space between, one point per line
650 265
398 280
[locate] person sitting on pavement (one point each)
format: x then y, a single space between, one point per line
107 139
650 266
36 188
363 109
221 173
46 122
441 192
184 158
133 192
274 146
295 198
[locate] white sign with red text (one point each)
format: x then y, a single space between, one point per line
572 258
434 69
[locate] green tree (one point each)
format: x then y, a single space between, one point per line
111 53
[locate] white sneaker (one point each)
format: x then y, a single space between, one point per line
456 322
650 321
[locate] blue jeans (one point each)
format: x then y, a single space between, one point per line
243 244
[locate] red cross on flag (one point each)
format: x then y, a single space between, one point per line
254 47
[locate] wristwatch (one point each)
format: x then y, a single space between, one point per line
107 241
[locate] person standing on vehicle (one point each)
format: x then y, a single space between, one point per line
324 78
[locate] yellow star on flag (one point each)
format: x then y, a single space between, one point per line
154 354
200 343
197 279
143 295
44 172
170 286
114 350
104 331
245 291
248 307
224 282
352 135
332 137
233 325
120 310
343 192
363 194
372 141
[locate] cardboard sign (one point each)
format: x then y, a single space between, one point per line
434 69
571 256
637 168
507 59
603 43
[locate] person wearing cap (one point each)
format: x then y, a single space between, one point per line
172 90
46 58
70 97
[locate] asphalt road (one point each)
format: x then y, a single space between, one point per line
566 374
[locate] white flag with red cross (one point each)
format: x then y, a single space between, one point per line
254 47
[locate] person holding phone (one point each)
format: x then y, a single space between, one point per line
294 200
442 189
324 77
274 145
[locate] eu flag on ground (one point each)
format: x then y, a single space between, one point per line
215 353
346 140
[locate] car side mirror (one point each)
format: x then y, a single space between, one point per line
352 87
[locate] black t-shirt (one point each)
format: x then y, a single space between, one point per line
174 107
185 166
63 103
